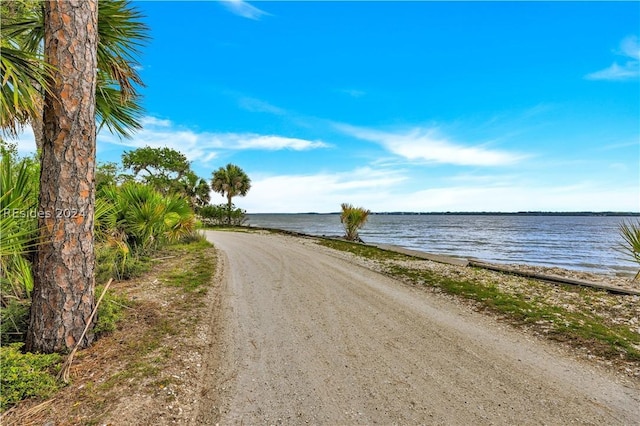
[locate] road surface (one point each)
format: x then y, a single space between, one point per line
307 337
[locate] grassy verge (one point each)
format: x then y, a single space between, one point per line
580 324
143 321
156 327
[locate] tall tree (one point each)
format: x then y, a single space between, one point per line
162 168
196 190
64 280
168 171
230 181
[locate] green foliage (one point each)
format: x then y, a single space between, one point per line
18 222
14 320
167 171
362 250
196 190
25 375
220 215
107 174
141 219
197 276
353 218
230 181
630 233
110 311
25 72
161 168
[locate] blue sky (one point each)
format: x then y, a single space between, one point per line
399 106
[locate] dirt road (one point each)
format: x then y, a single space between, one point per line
308 337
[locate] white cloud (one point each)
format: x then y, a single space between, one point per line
322 192
271 143
154 121
630 47
204 146
629 70
429 145
244 9
257 105
385 191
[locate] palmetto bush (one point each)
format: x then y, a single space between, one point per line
18 225
353 218
18 222
142 218
630 233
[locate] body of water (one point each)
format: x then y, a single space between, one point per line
585 243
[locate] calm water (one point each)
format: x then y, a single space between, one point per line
585 243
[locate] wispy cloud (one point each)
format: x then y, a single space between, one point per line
244 9
354 93
257 105
430 145
629 70
205 146
270 143
383 190
321 192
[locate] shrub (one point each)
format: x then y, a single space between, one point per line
18 222
216 215
630 233
26 375
143 219
14 320
353 218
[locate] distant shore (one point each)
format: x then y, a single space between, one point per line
523 213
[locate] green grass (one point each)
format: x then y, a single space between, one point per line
194 278
110 311
362 250
582 328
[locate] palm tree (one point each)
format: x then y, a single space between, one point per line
196 190
25 72
230 181
353 218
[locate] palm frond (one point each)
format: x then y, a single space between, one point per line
353 218
121 33
23 75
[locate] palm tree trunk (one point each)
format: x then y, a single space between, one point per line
229 204
64 268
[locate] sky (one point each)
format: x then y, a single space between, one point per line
398 106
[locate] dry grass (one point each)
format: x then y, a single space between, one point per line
136 362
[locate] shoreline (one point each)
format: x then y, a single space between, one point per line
554 274
582 244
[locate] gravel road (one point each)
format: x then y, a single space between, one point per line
307 337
